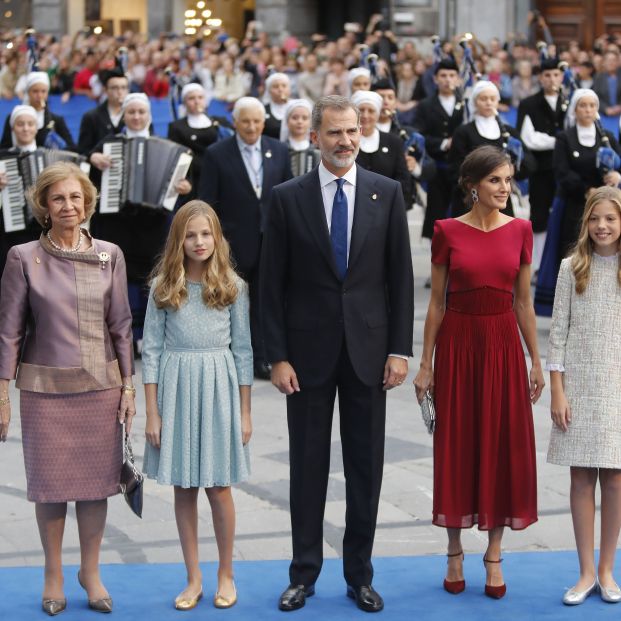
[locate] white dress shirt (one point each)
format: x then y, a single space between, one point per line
253 162
327 181
448 103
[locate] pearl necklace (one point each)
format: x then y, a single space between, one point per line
60 248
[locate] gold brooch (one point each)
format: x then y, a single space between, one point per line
104 257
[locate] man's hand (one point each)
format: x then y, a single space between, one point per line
284 378
395 371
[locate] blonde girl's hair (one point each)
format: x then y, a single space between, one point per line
219 280
582 255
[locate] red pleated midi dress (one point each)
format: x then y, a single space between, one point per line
484 442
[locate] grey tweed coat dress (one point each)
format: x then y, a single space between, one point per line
585 342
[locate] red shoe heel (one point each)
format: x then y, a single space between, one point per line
495 592
455 586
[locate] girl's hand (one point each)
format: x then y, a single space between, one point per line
423 382
5 419
559 409
246 427
127 410
536 383
153 429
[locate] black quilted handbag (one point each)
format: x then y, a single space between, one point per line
132 480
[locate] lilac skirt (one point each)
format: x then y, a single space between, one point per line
72 445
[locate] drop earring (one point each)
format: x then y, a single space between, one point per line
475 195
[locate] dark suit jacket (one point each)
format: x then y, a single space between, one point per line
307 310
225 185
60 127
96 124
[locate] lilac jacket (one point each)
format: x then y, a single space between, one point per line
66 322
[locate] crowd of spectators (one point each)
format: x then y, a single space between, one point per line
229 68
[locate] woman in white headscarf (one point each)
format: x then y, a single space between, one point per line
278 92
196 130
381 152
295 132
139 230
485 127
36 93
359 79
23 126
577 174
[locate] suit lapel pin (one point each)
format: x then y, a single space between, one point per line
193 137
458 105
576 154
384 149
373 197
268 154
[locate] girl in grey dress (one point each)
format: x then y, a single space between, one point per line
197 371
585 372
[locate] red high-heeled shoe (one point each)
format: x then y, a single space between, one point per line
455 586
495 592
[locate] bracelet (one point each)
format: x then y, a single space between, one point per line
5 401
128 390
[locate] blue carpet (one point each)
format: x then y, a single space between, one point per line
411 587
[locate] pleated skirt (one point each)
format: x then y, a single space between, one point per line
72 445
199 404
484 443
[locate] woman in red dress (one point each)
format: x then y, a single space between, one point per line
484 444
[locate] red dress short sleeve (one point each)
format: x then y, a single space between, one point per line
526 256
440 249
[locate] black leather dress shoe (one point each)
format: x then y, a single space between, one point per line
262 370
367 598
294 596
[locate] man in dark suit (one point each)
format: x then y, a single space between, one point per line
237 178
107 118
337 295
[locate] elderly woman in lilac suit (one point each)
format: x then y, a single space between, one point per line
66 336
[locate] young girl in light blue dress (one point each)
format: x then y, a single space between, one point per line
197 373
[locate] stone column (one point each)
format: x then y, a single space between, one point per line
50 16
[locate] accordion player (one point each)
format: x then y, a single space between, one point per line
144 171
22 170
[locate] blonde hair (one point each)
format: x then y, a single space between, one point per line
219 280
582 255
60 171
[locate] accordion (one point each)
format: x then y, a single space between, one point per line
303 162
22 171
143 171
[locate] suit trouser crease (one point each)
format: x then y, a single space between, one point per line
362 411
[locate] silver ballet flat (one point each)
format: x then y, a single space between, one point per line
575 598
610 596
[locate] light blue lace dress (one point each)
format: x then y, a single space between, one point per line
198 357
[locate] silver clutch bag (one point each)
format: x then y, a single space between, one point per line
428 411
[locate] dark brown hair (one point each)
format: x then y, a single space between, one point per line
477 165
